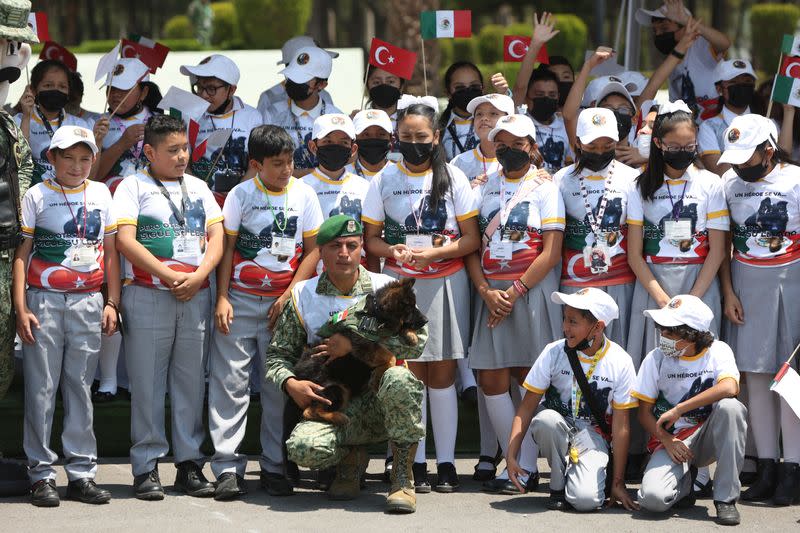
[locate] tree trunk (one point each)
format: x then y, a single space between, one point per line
404 31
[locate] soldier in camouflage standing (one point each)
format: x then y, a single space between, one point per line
393 413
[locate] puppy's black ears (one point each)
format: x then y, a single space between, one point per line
407 282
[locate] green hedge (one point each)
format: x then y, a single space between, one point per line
572 40
768 24
226 24
269 23
103 46
490 43
178 27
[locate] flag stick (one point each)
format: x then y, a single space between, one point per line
216 160
424 64
785 366
364 92
27 75
771 94
126 94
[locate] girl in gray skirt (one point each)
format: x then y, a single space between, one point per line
523 220
761 290
428 214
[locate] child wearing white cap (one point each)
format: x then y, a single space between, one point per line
277 93
222 167
68 230
736 84
306 76
597 190
687 389
575 433
514 275
690 80
761 293
374 137
122 153
480 162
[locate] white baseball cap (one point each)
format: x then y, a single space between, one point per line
214 66
592 89
591 299
67 136
126 73
308 63
596 122
634 81
745 133
683 310
644 16
331 122
612 84
516 125
372 117
501 102
290 48
729 69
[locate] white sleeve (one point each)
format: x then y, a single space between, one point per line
623 385
232 213
551 208
635 206
466 203
538 378
707 142
725 362
717 217
646 386
111 217
213 212
312 217
373 211
126 201
29 212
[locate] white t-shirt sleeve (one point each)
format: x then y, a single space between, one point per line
718 216
623 386
538 378
312 217
635 206
725 362
646 386
29 211
551 208
111 217
466 203
213 212
373 211
232 213
707 142
126 201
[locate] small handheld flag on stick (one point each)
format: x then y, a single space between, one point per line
516 46
790 46
445 24
38 23
106 64
787 383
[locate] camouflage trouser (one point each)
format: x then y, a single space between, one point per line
394 414
7 326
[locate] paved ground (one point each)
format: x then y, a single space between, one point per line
309 510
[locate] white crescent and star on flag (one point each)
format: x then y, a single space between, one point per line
514 47
792 70
133 53
389 58
49 54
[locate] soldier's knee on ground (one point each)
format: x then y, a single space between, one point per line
399 386
314 445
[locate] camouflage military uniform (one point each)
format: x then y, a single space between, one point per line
22 151
394 413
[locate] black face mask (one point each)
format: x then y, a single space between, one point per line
741 94
753 173
679 160
333 156
373 151
415 153
462 97
563 91
665 42
594 161
52 100
544 108
513 159
9 74
624 124
297 91
384 96
132 111
585 344
221 109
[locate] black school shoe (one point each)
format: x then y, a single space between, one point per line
229 487
421 484
787 492
276 484
727 514
558 501
103 397
446 478
44 493
85 490
190 479
147 486
485 474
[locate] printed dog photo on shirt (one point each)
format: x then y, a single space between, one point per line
610 222
303 158
552 400
230 167
347 207
516 227
770 222
91 231
265 236
433 222
553 153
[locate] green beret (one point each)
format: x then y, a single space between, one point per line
338 226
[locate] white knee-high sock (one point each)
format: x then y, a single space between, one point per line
529 452
500 409
444 421
420 456
488 435
763 415
790 432
750 443
109 356
466 378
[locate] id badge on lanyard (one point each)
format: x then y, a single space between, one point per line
282 246
185 246
84 254
678 230
419 241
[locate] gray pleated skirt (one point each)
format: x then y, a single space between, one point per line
623 295
519 339
770 299
674 279
445 301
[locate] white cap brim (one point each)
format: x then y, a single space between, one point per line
614 87
208 71
644 16
736 157
663 317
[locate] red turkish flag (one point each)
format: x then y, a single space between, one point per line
53 50
790 67
515 46
392 59
152 57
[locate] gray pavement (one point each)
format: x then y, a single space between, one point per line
309 510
